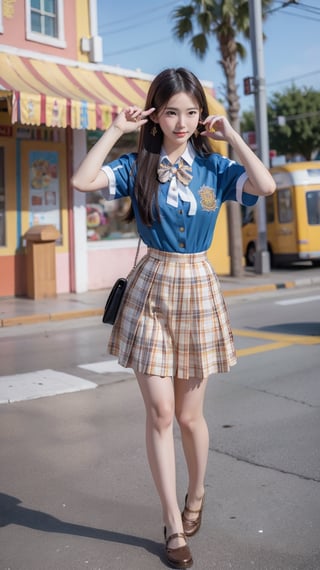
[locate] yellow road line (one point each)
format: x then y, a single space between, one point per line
247 290
261 348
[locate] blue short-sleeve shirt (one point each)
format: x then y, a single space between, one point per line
188 214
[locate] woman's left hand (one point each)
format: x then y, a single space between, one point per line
259 181
217 128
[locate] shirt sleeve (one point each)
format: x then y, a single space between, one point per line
121 175
232 177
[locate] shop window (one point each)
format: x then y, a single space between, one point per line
313 207
2 200
285 209
45 22
105 218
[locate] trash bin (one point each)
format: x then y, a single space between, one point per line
41 261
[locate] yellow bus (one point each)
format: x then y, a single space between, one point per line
292 216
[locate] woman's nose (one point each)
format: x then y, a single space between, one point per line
181 120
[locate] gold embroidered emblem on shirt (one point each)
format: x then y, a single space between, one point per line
208 199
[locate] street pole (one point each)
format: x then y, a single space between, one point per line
262 258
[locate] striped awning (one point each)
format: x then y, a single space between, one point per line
42 92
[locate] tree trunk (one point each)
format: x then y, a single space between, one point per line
235 239
235 224
229 63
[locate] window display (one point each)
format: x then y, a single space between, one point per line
105 218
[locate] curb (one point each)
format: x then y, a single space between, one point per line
40 318
260 288
69 315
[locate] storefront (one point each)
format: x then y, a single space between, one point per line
50 113
33 191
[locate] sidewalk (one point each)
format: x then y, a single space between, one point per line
20 310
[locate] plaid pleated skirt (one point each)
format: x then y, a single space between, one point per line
173 320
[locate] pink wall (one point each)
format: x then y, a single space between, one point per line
62 273
105 266
14 32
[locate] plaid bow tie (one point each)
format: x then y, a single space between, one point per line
181 171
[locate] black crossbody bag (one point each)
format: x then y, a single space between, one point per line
115 296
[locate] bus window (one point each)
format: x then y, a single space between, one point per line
313 207
285 210
247 213
269 209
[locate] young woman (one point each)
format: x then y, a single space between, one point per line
173 328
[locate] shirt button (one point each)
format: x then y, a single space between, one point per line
181 212
181 229
182 245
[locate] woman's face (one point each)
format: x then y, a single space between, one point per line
178 120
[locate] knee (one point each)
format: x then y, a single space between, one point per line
162 415
187 420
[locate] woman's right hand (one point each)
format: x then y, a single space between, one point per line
89 176
132 118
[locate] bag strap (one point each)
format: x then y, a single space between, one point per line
137 253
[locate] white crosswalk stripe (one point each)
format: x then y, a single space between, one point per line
40 384
298 300
105 367
48 382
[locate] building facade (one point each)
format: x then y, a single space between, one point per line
56 98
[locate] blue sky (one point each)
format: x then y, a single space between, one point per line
138 35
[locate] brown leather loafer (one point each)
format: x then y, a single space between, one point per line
191 526
177 557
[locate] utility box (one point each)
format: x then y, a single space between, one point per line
41 261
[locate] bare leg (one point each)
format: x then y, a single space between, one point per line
158 395
189 397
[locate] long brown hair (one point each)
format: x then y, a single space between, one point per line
165 85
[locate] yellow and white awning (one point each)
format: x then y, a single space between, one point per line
42 92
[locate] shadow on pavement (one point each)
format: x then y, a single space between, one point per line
12 512
305 329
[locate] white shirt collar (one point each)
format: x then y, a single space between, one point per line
188 155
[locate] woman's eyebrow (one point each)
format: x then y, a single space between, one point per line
177 109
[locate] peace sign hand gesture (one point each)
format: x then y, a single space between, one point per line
132 118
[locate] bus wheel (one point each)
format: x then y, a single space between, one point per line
250 254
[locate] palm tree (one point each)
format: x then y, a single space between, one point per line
226 20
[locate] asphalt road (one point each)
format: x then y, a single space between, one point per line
76 492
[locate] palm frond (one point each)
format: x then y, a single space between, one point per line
204 20
183 17
241 51
199 45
